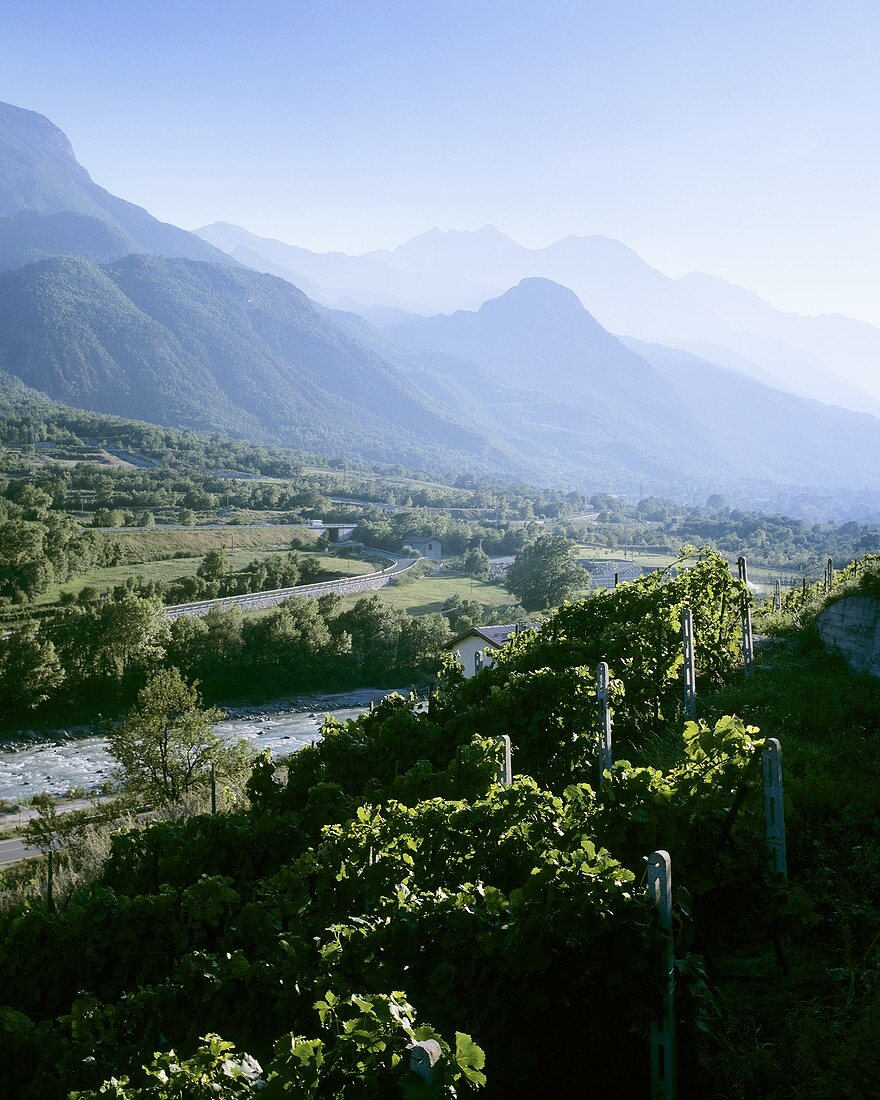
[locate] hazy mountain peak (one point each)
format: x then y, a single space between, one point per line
40 178
220 227
20 125
32 151
536 292
485 232
536 334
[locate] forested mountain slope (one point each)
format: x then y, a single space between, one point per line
207 346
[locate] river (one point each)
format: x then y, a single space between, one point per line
59 762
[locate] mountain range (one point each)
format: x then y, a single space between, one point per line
513 372
833 359
675 408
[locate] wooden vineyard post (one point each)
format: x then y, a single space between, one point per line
213 789
774 809
505 772
605 757
616 579
663 1029
748 645
690 671
777 595
829 575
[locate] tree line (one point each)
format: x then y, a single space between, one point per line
94 655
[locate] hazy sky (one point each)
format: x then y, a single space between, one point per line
729 136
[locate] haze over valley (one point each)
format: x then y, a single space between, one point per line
457 351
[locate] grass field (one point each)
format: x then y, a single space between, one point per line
424 595
150 543
638 557
103 579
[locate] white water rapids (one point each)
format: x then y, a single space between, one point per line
59 762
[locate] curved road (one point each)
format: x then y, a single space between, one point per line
363 582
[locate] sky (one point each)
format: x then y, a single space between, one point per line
737 138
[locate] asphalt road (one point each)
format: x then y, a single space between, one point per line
11 851
14 849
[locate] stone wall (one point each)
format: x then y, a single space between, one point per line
851 627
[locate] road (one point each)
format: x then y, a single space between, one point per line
11 851
364 582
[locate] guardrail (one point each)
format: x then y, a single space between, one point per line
247 599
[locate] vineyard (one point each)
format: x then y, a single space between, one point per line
396 914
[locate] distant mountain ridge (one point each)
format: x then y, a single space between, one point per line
343 281
49 204
833 359
679 412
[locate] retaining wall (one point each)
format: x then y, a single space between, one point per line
851 627
343 586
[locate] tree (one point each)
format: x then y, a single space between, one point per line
167 745
476 564
462 613
30 672
132 633
546 573
215 564
25 571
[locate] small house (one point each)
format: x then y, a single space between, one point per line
426 548
474 648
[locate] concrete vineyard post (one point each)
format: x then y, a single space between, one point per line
425 1058
605 757
505 772
829 575
777 596
748 646
690 671
774 809
663 1070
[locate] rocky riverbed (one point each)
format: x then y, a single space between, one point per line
77 759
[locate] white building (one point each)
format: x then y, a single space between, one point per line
426 548
475 647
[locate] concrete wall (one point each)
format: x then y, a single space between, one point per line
851 627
